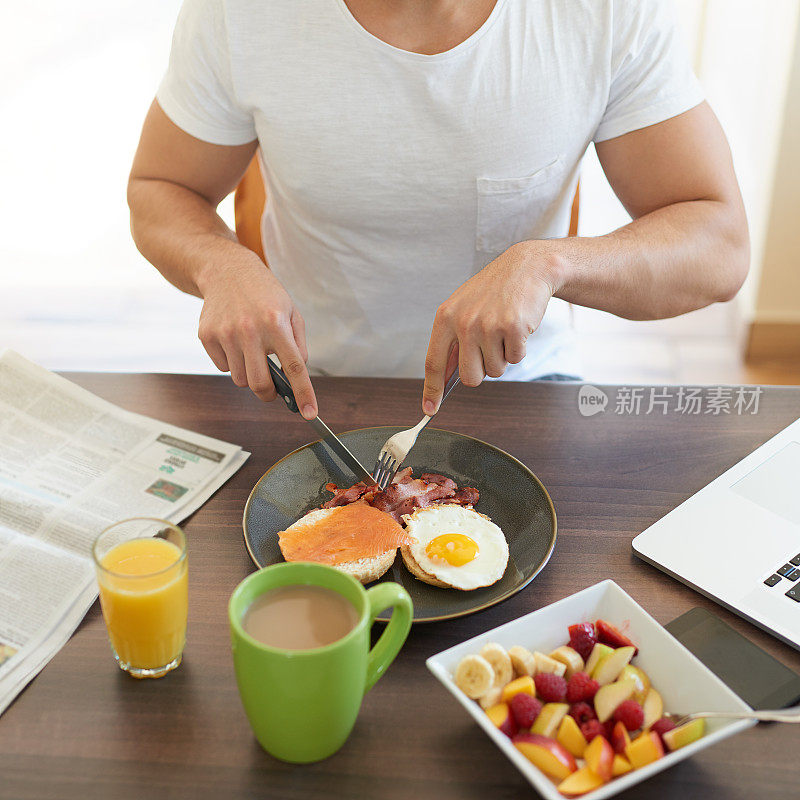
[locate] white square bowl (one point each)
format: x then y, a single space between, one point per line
683 681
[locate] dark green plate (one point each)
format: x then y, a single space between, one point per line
509 493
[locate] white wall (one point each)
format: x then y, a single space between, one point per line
778 298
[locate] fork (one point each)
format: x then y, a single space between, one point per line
779 715
396 448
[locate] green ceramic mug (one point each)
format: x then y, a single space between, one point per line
302 704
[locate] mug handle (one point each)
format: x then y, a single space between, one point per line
379 598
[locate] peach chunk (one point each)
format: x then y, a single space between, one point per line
570 735
620 738
644 749
502 718
620 766
523 684
580 782
599 757
547 754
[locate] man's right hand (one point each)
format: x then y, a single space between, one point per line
246 315
175 186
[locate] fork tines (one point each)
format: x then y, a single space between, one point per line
385 468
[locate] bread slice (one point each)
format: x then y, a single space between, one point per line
365 570
416 570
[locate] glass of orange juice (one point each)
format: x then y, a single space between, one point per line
142 572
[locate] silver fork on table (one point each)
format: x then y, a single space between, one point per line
396 448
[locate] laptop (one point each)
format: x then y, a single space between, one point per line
737 540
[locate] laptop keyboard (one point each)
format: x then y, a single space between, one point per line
790 571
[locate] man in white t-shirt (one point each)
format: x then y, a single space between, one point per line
420 159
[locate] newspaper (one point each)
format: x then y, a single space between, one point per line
70 465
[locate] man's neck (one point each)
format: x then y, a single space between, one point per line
421 26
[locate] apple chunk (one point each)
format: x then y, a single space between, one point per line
546 724
684 734
653 708
580 782
610 696
599 652
547 754
640 679
609 668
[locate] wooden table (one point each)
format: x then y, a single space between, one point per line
84 729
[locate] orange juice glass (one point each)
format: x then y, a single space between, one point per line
142 573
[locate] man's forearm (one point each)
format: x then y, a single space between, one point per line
676 259
180 233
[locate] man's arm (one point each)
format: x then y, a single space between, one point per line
686 247
175 186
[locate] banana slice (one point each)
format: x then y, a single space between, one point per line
498 657
474 676
522 660
546 664
491 698
570 658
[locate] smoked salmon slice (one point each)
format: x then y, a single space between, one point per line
342 534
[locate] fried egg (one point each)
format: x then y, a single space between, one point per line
459 546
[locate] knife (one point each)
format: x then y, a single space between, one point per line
284 389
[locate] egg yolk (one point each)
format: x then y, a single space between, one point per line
454 548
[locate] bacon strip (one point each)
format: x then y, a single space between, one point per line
405 493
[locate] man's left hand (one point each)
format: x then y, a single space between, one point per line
488 319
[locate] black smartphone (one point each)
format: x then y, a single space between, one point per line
758 678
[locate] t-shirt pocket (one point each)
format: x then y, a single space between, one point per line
511 210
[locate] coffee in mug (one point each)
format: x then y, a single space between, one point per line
299 617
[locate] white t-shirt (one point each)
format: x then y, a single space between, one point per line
392 177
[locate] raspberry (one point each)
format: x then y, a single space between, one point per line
661 726
630 714
581 687
550 687
592 728
582 638
525 708
609 728
582 712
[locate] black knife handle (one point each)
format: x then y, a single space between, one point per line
282 386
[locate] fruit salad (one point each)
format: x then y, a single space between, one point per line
583 714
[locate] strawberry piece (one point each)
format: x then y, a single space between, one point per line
550 687
592 728
582 638
581 712
525 708
581 687
612 636
630 714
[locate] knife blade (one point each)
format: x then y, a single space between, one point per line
284 389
